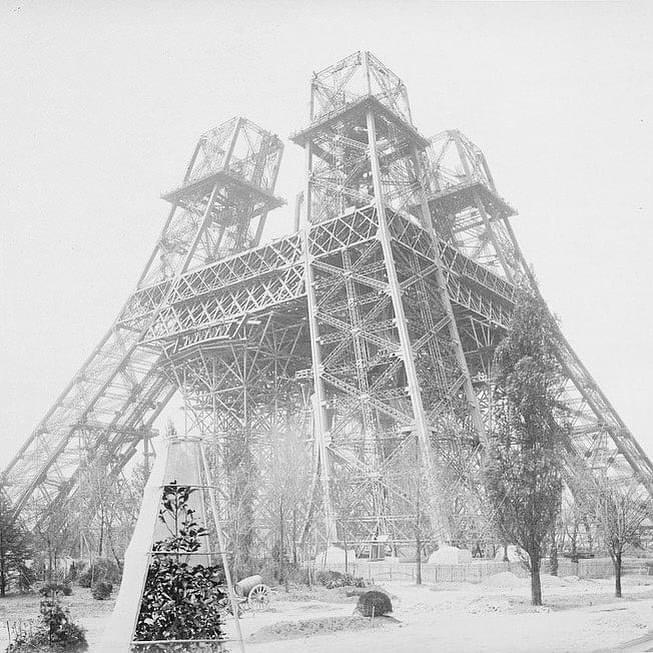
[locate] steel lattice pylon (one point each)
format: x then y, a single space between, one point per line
367 335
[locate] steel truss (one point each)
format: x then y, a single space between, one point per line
366 337
112 402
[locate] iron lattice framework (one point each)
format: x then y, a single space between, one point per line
366 337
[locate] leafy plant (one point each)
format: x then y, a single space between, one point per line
102 590
57 632
374 604
179 520
180 601
333 579
102 569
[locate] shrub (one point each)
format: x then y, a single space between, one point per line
102 569
102 590
333 579
55 588
180 601
57 632
374 604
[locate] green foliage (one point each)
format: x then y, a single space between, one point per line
179 520
55 588
180 600
102 569
333 579
374 604
102 590
523 462
57 632
15 547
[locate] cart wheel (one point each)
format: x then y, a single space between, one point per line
259 597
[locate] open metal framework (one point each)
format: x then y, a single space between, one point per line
367 335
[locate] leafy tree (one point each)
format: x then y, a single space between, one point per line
15 546
522 466
620 513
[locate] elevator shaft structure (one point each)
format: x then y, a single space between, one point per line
341 373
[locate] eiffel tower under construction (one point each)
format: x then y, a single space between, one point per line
367 334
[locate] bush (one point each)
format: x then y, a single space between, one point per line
102 590
333 579
101 570
55 588
57 632
180 601
374 604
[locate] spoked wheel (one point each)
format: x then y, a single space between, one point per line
259 597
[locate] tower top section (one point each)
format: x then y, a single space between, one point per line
455 160
358 76
237 150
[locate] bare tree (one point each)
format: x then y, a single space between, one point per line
289 477
620 513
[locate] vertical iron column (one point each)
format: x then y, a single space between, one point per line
471 395
319 404
421 424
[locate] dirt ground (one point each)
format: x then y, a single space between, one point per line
496 615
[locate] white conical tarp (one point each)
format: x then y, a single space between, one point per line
179 461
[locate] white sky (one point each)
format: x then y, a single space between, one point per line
101 105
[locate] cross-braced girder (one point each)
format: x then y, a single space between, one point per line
115 397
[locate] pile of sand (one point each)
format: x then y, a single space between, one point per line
504 580
450 555
334 555
571 579
552 581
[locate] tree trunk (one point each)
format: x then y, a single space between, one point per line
294 537
616 561
553 559
536 585
505 553
101 543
